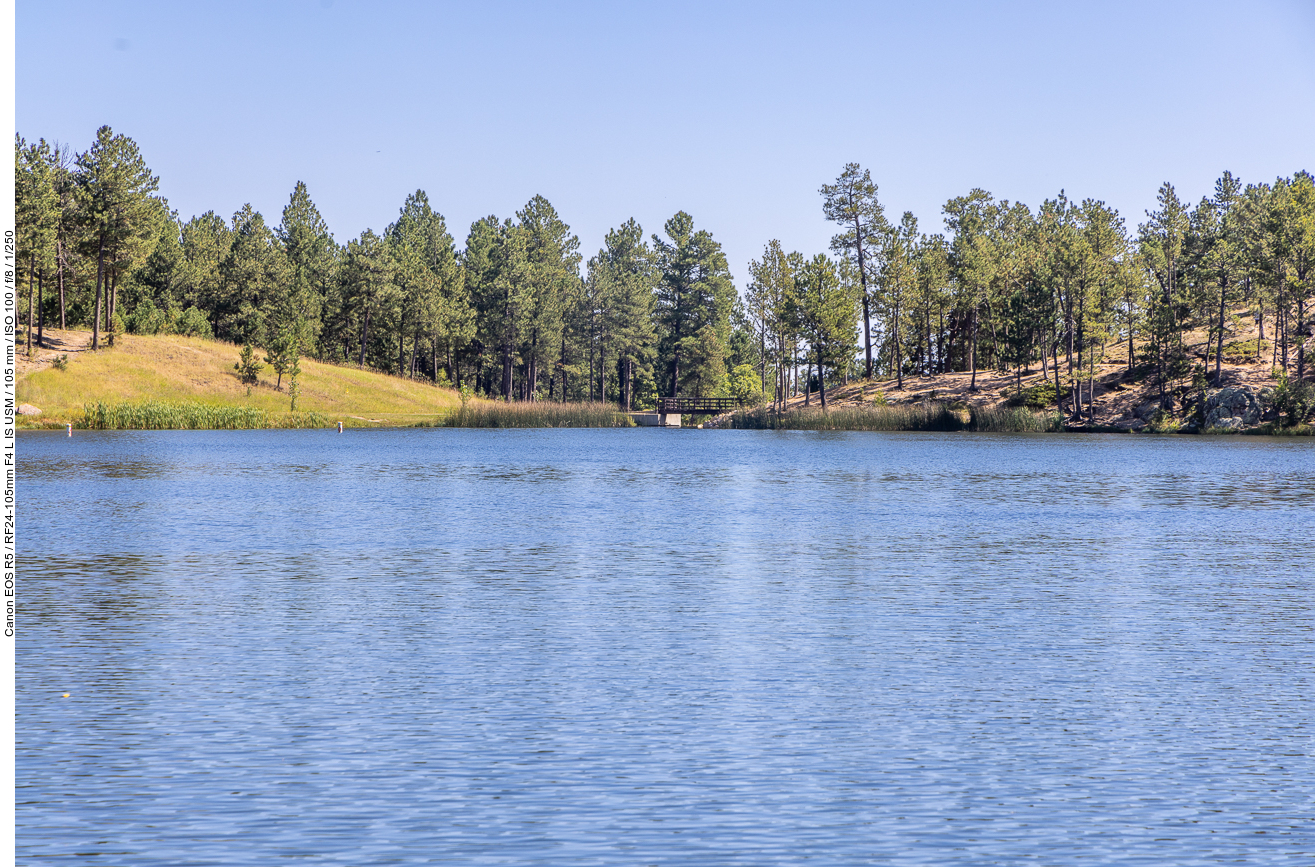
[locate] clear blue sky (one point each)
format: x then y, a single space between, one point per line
734 112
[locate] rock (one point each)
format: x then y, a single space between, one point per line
28 409
1146 410
1232 408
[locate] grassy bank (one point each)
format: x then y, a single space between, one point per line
173 371
907 417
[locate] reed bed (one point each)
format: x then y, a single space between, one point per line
537 414
910 417
1016 419
160 415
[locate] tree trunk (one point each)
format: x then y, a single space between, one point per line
59 273
31 276
365 334
899 361
1219 349
100 281
41 313
1302 333
506 372
863 282
113 277
821 379
401 346
972 351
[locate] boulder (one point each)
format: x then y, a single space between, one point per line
28 409
1232 408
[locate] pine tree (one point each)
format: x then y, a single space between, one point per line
36 217
117 206
695 290
852 203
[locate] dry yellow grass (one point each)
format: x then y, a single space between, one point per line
179 369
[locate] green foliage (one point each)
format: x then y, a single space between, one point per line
745 385
60 362
1293 401
1163 422
146 318
1040 396
247 367
192 323
694 299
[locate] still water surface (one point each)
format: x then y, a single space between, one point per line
664 647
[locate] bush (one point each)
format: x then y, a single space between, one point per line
745 386
146 318
1293 401
1040 396
247 367
192 323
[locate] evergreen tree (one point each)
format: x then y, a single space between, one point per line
852 203
695 290
117 207
1163 240
254 283
36 218
827 313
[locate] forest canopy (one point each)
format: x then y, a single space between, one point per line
517 311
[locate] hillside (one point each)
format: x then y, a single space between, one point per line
1124 399
179 369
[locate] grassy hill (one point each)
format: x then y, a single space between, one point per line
178 369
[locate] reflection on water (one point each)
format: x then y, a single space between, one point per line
664 647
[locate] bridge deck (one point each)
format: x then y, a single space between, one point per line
682 405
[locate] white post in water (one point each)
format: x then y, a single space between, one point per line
339 427
70 428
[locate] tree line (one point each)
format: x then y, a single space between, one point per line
516 313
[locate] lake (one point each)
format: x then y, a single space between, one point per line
627 647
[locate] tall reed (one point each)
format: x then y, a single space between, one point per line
900 417
1005 419
494 413
159 415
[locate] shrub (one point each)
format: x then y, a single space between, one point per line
1292 400
146 318
247 367
193 323
745 386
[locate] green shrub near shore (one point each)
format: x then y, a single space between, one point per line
159 415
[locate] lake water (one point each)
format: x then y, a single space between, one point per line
628 647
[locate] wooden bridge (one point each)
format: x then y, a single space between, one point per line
700 405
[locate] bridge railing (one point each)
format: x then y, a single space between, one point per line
697 404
